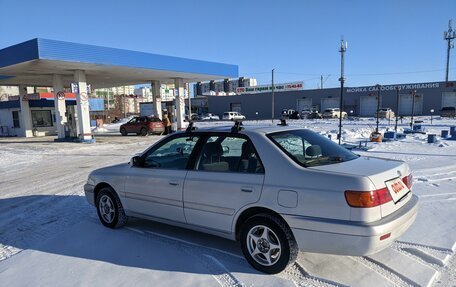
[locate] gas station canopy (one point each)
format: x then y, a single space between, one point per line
34 63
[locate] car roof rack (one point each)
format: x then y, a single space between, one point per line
237 126
283 122
190 127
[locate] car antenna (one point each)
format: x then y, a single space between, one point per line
190 127
237 127
283 122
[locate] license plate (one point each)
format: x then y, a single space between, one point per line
397 189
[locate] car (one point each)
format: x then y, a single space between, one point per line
448 112
333 113
276 189
210 117
386 113
290 114
310 114
142 126
231 116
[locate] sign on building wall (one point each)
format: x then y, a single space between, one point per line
393 87
295 86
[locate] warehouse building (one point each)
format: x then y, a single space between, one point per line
357 101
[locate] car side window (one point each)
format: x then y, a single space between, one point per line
173 154
229 154
133 120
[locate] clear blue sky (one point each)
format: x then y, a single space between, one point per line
390 41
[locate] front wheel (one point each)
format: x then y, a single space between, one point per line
123 131
268 244
109 209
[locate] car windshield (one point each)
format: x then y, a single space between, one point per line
308 148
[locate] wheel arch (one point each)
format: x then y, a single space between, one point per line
252 211
100 186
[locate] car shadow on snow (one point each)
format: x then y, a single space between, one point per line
68 226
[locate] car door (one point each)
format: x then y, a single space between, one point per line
130 126
155 187
228 175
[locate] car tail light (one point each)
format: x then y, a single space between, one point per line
366 199
408 180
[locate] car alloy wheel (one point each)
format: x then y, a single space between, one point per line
263 245
268 243
143 132
109 208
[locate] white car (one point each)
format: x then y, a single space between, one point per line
275 189
386 113
232 116
333 113
210 117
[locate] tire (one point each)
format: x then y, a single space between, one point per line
109 208
277 234
123 131
143 132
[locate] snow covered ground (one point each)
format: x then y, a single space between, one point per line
50 236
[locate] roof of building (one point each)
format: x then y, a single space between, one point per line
33 62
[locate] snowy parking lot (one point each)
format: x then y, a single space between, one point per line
51 236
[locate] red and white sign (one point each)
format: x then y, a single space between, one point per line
397 189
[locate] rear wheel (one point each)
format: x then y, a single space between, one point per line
109 209
143 132
268 244
123 131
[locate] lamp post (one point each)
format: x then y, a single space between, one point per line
449 36
343 48
413 108
272 96
397 107
378 104
432 113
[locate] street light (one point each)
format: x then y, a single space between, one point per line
378 104
413 108
432 113
397 107
343 48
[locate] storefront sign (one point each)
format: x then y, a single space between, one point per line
268 88
393 87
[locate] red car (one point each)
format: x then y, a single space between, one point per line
143 126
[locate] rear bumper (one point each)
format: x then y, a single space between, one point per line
348 237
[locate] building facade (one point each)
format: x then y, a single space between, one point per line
357 101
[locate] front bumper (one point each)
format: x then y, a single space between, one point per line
89 193
351 238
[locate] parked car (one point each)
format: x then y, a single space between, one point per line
275 189
142 126
290 114
233 116
448 112
308 114
333 113
385 113
210 117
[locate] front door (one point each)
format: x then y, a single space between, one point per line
155 188
228 175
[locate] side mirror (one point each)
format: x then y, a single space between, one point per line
135 161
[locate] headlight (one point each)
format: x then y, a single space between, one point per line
90 181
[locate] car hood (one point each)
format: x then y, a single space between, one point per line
110 170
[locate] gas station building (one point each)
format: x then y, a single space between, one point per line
61 65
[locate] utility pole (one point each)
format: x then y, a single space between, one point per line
378 105
272 111
343 48
449 36
397 106
413 108
321 82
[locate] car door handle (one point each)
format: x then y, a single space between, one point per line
246 189
174 183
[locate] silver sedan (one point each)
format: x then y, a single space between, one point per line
277 190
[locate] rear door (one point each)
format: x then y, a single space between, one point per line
228 175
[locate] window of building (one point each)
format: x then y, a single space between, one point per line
42 118
16 123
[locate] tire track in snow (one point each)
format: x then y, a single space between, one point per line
396 278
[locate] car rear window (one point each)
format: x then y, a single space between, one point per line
308 148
